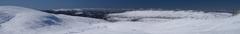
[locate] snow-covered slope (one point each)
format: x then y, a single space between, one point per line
181 26
20 20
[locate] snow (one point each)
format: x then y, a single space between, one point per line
131 15
179 26
20 20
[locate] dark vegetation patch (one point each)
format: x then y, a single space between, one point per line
92 13
102 13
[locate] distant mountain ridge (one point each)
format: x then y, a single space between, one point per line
100 13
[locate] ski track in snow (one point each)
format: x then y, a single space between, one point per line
20 20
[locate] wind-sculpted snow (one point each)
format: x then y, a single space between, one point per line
20 20
5 17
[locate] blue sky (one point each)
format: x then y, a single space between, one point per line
51 4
